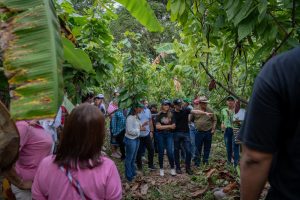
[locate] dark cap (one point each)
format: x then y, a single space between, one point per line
177 102
165 102
230 98
138 105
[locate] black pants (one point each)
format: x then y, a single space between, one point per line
147 142
184 138
120 141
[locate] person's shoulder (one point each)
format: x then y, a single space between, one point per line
223 109
107 160
284 63
107 163
22 125
47 161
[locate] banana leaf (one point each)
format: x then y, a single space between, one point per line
141 10
32 57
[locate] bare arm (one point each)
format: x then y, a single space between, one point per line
214 119
255 168
200 112
165 127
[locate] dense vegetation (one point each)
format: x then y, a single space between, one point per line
213 48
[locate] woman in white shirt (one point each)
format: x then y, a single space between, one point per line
131 139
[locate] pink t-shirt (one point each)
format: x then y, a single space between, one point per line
35 144
101 182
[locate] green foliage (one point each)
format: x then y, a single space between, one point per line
78 58
125 22
89 26
32 57
135 69
229 41
143 13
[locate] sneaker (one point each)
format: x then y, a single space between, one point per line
178 171
189 171
173 172
115 155
161 172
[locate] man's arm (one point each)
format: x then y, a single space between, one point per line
214 124
165 127
255 166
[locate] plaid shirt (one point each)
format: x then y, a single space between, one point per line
118 122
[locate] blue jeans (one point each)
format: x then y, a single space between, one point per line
231 146
203 139
193 145
165 141
131 146
182 138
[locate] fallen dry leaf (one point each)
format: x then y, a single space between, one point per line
144 189
135 187
230 187
210 173
127 186
198 193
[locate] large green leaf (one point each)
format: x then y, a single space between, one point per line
167 48
77 57
33 54
141 10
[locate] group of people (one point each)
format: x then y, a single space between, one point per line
181 128
78 169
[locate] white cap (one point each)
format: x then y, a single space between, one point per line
100 96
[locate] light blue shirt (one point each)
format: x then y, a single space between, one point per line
144 116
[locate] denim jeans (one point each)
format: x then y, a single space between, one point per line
147 143
184 139
231 146
131 146
203 139
193 145
165 141
120 141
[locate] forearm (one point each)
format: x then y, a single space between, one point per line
254 173
198 112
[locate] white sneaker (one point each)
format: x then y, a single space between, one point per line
173 172
161 172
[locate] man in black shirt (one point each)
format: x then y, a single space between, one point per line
271 131
182 134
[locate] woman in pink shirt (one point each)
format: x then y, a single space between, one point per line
35 144
78 171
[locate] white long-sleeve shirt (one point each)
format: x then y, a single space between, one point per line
133 127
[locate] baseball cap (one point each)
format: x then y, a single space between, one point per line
100 96
230 98
177 102
165 102
203 99
138 105
187 100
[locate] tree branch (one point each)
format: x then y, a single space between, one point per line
222 86
246 65
277 22
280 45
